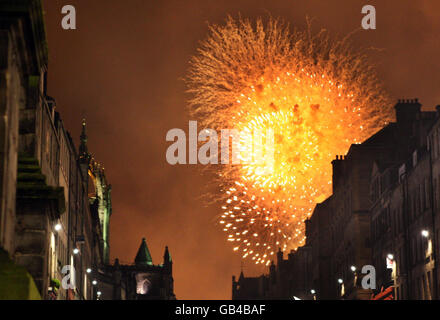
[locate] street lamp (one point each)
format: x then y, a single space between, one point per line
353 268
340 281
425 233
390 256
58 227
94 282
88 270
75 251
312 291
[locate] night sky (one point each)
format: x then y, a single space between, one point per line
122 70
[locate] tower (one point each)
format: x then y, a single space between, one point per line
99 192
167 261
147 281
143 256
167 275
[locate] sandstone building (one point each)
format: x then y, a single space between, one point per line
384 211
55 200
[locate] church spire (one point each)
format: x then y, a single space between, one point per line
166 256
83 151
83 138
241 277
143 256
167 262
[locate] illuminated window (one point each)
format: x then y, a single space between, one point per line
53 256
85 287
143 284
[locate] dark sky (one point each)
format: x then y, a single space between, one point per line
122 70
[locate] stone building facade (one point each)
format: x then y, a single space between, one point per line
46 219
383 212
405 217
55 200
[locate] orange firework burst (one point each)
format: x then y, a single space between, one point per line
318 97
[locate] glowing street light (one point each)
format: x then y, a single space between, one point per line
340 281
353 268
94 282
312 291
88 270
425 233
75 251
58 227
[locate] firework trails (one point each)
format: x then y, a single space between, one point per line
317 95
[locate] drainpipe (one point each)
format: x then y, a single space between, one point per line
405 226
434 233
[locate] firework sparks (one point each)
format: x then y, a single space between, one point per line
318 96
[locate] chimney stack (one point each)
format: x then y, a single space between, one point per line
338 170
407 110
